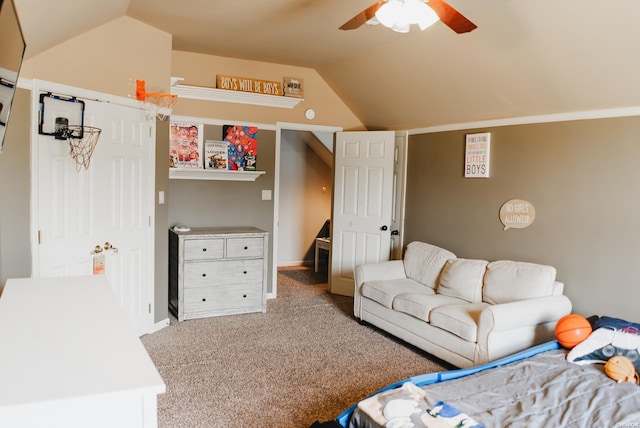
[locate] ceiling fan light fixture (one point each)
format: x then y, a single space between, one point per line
373 21
400 27
400 14
389 12
425 16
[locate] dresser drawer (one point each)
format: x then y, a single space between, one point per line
245 247
223 272
222 299
200 249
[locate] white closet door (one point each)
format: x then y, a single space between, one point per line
111 201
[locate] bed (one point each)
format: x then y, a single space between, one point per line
535 387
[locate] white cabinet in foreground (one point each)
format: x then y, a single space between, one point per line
70 358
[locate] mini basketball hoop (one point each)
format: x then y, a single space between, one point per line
82 141
158 105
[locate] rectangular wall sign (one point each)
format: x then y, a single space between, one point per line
245 84
476 156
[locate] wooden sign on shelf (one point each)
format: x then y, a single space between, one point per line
293 87
245 84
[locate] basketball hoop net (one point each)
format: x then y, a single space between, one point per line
82 141
157 105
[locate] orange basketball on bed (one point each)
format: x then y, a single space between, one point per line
572 329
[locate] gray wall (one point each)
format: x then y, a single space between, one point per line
15 192
583 179
211 203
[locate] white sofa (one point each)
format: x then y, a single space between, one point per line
466 312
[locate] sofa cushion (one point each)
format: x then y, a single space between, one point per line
508 281
420 305
461 320
384 291
423 262
462 278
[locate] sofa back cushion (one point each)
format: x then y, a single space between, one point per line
462 278
508 281
423 262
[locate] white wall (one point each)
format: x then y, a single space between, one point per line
303 204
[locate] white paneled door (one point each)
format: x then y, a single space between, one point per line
110 202
362 204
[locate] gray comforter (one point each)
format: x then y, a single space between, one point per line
542 391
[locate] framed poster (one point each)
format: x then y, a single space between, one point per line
476 156
242 147
215 154
185 145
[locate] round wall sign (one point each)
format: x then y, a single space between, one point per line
517 214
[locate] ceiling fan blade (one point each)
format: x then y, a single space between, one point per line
451 17
362 17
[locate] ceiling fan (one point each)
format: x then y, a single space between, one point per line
400 14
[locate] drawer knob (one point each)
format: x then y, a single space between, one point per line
204 249
246 248
204 299
245 272
204 274
244 295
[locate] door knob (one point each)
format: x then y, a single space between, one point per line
395 233
384 228
108 246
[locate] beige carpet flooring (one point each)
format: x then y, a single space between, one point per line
306 359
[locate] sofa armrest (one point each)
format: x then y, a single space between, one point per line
510 327
558 288
391 269
523 313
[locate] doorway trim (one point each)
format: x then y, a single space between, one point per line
280 126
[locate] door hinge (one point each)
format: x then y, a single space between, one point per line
39 237
149 307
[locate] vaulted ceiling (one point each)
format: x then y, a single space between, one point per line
527 57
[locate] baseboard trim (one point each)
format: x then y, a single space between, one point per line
159 326
295 263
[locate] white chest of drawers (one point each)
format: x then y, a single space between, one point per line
70 358
217 271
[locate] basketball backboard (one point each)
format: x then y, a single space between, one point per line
58 113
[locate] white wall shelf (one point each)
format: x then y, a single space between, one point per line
222 95
213 174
